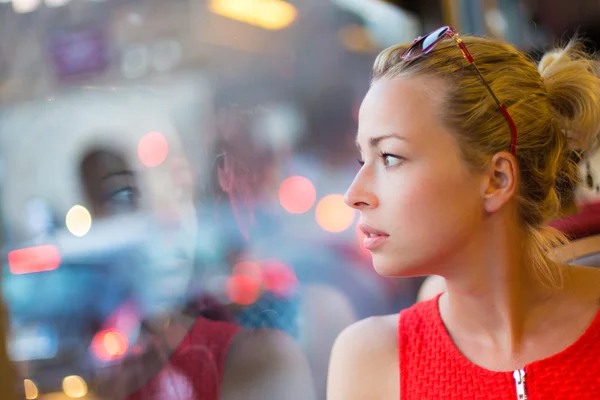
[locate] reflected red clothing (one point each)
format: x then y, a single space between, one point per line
195 370
432 367
585 223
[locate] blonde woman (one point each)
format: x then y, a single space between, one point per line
462 141
578 219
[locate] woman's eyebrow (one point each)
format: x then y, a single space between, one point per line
118 173
374 141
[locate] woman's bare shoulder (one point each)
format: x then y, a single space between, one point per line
364 361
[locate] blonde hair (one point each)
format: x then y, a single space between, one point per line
555 106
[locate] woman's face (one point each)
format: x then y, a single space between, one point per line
414 191
111 185
162 270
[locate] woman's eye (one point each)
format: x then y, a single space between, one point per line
125 198
126 194
391 160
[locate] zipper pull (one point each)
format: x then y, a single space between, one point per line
519 376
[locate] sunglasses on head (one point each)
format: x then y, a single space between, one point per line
425 44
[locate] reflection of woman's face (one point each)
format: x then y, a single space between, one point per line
111 186
164 268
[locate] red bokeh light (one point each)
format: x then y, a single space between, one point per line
33 259
110 344
297 194
279 278
242 289
244 286
153 149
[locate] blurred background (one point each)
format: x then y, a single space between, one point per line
155 152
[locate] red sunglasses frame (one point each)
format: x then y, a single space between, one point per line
447 31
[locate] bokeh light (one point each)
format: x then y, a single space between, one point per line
356 38
250 269
276 14
74 386
25 6
279 278
297 194
78 221
267 14
244 286
110 344
333 215
153 149
34 259
31 390
242 289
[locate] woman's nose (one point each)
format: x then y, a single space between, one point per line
359 195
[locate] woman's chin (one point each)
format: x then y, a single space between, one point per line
394 268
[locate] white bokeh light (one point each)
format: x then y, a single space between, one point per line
78 221
25 6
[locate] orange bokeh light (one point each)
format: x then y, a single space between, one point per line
297 194
267 14
333 215
153 149
110 344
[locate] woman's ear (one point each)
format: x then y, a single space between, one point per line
501 181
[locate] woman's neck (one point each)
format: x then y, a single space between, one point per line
496 295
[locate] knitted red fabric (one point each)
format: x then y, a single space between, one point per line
432 367
195 370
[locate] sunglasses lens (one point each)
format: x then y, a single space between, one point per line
425 44
434 37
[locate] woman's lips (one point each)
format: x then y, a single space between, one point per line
374 237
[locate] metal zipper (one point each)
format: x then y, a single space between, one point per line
519 376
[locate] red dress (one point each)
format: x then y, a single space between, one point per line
432 367
195 370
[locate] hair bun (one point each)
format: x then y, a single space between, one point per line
573 86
